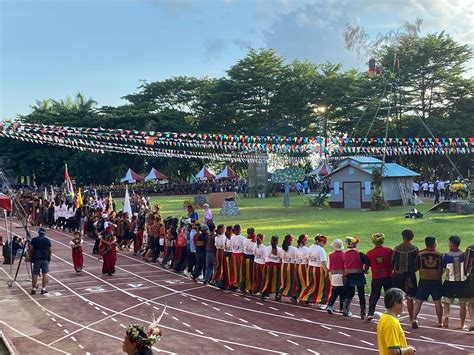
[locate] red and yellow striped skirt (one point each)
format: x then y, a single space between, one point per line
318 287
236 269
225 281
247 273
258 277
271 282
288 279
218 270
302 272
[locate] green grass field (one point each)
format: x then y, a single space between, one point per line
268 216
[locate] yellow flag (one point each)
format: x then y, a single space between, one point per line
79 201
110 202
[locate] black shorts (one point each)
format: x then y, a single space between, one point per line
406 282
427 288
470 284
455 289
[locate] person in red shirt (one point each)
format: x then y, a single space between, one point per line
380 265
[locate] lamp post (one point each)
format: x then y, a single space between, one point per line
320 111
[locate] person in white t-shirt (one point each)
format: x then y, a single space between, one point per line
301 266
318 288
259 252
288 268
237 243
247 264
272 270
431 187
416 188
425 188
219 242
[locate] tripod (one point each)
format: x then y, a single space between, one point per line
19 210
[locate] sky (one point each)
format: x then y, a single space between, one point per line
103 48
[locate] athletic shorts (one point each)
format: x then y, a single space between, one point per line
427 288
455 289
42 265
406 282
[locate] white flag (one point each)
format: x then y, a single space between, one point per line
126 204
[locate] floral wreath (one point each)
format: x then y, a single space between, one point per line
141 338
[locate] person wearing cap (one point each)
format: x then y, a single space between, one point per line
288 268
404 269
336 268
428 262
39 252
391 338
301 261
355 265
379 259
108 251
318 285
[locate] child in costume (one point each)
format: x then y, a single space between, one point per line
77 257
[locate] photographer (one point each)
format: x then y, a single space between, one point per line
39 253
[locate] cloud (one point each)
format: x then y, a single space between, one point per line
215 47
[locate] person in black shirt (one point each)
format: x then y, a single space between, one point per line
40 256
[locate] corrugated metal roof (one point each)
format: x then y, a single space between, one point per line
365 160
394 170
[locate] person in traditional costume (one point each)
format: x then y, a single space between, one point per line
219 241
272 270
318 285
259 252
336 268
140 228
108 251
139 340
355 266
288 268
224 283
301 266
77 252
237 244
247 265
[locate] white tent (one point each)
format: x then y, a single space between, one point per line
205 174
131 176
227 173
155 175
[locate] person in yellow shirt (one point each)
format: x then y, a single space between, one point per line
390 336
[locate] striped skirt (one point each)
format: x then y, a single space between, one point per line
318 287
288 279
236 269
271 282
247 273
218 270
258 277
224 282
302 273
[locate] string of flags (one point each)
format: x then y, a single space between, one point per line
233 148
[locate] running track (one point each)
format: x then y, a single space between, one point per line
88 314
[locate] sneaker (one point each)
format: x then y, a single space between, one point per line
293 300
43 291
347 313
33 291
370 317
362 315
330 310
414 324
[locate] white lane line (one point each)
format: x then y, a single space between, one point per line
192 298
243 320
66 331
73 339
247 299
366 342
345 334
53 319
421 317
187 325
230 315
80 346
204 303
259 303
306 320
59 325
291 315
312 351
175 318
113 319
122 325
88 353
97 308
105 314
217 309
257 327
228 347
49 315
326 327
156 308
275 309
430 339
275 335
292 342
198 331
456 347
